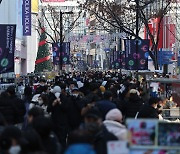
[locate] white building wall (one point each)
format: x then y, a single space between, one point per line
32 46
8 12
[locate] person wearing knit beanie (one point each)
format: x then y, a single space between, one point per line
114 115
113 120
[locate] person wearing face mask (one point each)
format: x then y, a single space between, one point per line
41 88
149 110
11 140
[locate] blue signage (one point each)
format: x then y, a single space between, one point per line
164 57
26 17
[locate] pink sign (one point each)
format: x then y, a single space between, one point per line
53 0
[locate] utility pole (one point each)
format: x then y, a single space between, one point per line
61 42
137 32
61 38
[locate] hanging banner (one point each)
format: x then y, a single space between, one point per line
113 58
7 47
122 59
117 60
137 60
56 53
80 38
26 17
65 53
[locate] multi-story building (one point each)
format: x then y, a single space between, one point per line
25 46
168 30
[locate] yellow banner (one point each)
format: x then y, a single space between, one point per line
34 5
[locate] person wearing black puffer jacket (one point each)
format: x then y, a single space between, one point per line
11 107
133 105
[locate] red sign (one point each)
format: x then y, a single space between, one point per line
53 0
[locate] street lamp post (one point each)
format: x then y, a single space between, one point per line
137 32
61 41
61 38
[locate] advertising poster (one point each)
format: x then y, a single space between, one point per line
7 47
142 131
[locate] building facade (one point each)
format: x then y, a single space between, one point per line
25 46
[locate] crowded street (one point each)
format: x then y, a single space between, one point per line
89 77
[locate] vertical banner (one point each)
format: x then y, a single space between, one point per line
26 17
65 53
137 60
122 59
116 62
7 47
56 53
143 50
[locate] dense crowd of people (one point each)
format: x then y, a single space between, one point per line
76 113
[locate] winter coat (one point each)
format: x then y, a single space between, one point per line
74 112
131 107
59 112
101 139
116 128
13 109
51 144
148 111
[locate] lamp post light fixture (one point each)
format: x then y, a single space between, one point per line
61 37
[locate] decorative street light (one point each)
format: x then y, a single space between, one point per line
61 37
